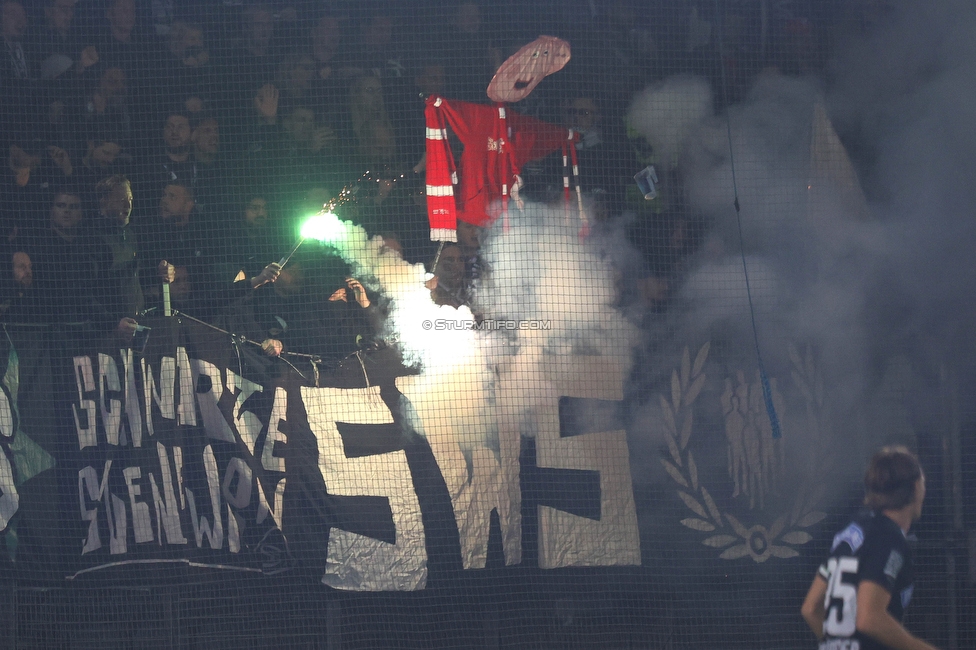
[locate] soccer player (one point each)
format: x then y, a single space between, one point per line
858 596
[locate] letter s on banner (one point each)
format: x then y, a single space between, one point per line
566 539
356 562
84 410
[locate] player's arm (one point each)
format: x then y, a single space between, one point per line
813 606
874 620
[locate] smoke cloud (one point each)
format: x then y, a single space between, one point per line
539 274
876 286
858 296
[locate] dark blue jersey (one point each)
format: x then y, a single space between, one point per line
872 547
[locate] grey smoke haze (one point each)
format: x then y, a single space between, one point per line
907 96
870 284
811 258
878 287
910 100
541 272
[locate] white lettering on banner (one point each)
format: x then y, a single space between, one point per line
264 509
153 497
233 532
201 525
487 487
164 396
566 539
214 422
88 481
480 479
186 412
167 510
178 465
115 514
132 416
356 562
279 410
272 463
172 404
239 496
248 424
236 487
108 380
85 379
141 521
118 523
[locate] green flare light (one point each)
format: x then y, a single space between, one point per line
324 227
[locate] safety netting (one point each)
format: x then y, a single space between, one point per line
508 324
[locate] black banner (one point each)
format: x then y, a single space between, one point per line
198 451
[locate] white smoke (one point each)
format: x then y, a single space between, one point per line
907 94
543 275
451 392
667 113
545 293
812 251
804 236
881 293
540 270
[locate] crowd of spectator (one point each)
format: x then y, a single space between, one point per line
180 143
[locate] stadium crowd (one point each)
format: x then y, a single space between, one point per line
180 144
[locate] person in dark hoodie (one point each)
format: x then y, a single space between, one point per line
62 268
114 251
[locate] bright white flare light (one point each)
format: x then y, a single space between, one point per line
324 227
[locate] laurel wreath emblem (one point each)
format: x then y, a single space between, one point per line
758 542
